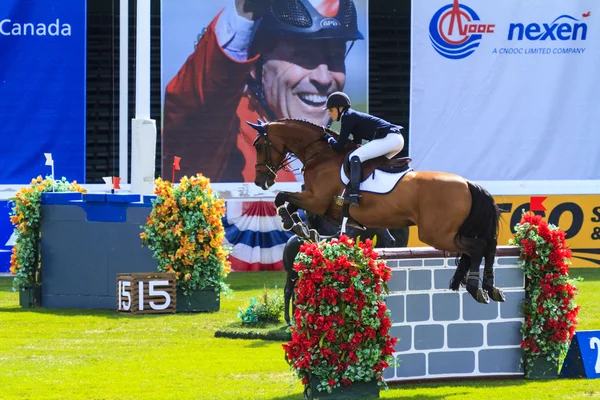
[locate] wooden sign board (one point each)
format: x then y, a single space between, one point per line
146 293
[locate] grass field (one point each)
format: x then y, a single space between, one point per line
96 354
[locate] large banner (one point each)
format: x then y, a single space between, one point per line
506 90
42 89
223 66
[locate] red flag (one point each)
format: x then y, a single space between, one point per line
176 163
536 203
116 182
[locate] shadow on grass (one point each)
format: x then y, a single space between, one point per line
399 397
266 331
94 312
588 274
398 390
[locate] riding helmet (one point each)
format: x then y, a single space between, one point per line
337 99
312 19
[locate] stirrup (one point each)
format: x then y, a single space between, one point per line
352 200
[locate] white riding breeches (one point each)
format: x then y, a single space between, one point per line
388 146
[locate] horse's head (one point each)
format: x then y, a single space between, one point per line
274 140
270 155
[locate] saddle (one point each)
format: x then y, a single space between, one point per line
381 163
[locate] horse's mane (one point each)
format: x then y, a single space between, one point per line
328 130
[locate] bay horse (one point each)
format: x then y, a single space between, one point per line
452 213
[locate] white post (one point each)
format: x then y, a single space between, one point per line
142 61
123 90
143 150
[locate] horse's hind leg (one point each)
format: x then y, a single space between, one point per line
488 274
475 250
288 293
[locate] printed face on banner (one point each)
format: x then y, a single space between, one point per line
239 65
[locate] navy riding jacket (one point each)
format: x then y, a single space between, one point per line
362 126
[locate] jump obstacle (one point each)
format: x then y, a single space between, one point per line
446 334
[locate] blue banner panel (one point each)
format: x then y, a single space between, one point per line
42 89
6 237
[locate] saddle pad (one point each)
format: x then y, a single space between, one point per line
378 182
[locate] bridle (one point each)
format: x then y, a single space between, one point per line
273 169
286 160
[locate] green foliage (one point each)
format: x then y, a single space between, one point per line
268 308
25 262
549 307
341 328
185 232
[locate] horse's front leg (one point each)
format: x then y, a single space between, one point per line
289 214
287 221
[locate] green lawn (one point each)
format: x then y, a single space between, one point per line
91 354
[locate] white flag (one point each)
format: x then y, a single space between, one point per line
108 181
49 160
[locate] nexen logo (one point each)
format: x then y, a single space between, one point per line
552 31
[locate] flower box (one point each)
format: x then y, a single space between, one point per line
356 390
541 368
341 327
30 297
550 311
199 300
185 233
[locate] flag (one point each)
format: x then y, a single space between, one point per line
49 160
176 163
536 203
112 182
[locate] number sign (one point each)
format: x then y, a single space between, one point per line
583 357
146 293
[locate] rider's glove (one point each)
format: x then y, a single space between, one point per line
330 139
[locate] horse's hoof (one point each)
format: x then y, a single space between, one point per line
301 231
314 235
495 293
478 294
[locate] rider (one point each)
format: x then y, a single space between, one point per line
385 138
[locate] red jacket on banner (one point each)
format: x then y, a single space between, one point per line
206 109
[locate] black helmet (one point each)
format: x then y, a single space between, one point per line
300 18
337 99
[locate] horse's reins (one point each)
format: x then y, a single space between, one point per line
287 160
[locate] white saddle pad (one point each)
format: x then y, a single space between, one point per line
378 181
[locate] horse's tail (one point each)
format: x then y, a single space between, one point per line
481 223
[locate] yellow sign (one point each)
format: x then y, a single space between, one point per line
577 215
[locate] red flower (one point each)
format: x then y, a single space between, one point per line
329 328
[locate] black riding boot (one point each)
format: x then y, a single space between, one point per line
355 175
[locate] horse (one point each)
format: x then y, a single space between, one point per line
451 212
327 231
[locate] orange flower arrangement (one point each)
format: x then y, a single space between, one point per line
185 232
25 261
